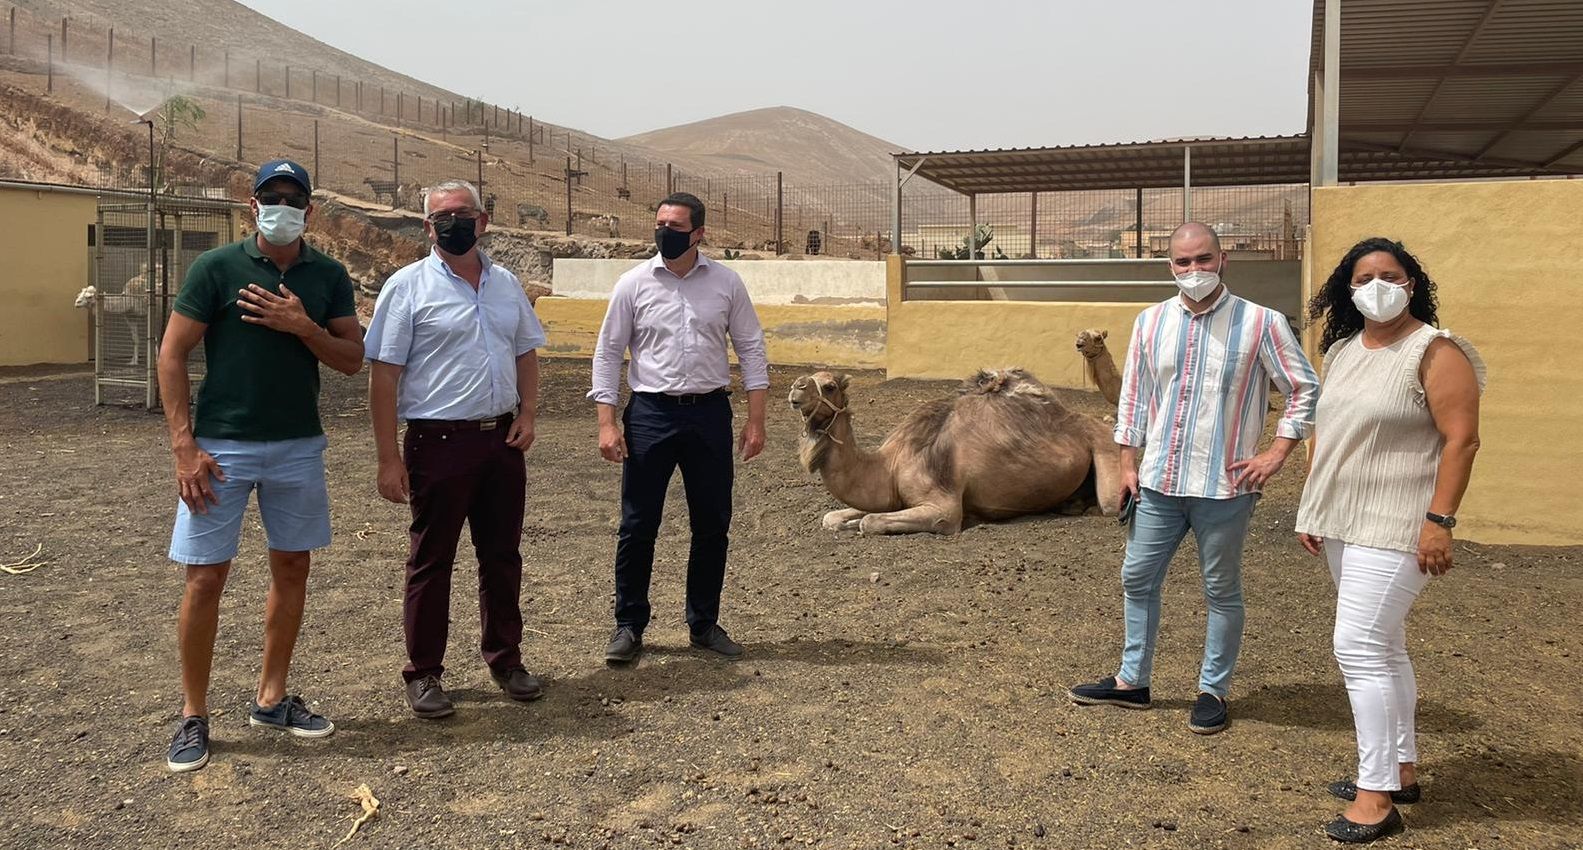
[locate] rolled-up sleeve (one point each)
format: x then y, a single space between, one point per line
747 339
389 336
611 347
1283 358
1137 390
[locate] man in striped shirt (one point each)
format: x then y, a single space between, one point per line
1194 396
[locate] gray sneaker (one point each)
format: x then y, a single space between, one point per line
189 750
624 646
290 715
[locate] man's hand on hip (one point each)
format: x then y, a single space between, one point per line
194 468
1258 469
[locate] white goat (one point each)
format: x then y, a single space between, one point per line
130 305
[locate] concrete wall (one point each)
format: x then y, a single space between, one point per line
768 281
44 240
1504 256
847 336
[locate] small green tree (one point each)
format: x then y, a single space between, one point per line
983 234
178 114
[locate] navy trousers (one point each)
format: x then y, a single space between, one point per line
662 433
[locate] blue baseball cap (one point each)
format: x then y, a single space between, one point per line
283 168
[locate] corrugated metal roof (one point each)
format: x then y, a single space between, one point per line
1481 82
1430 90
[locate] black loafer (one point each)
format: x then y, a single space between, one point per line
1347 789
1209 715
624 646
716 640
1105 692
518 684
1347 832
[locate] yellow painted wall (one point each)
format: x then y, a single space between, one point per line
949 340
848 336
44 243
1506 259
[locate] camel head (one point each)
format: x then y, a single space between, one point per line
1091 343
817 398
85 297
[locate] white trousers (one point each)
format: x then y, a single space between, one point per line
1375 589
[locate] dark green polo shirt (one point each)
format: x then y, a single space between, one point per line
261 384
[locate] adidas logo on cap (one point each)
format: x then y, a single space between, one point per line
286 167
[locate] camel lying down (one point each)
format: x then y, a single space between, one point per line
1002 448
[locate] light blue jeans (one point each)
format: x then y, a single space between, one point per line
1221 527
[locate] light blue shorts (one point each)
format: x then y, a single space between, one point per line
292 500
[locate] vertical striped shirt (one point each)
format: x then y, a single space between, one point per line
1195 392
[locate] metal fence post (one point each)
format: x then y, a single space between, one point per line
288 82
530 139
258 76
780 213
109 67
192 62
153 54
316 173
11 36
395 167
239 128
479 155
1138 242
1033 225
568 196
49 84
315 95
64 53
670 182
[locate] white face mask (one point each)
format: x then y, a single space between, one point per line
1381 300
1197 284
281 224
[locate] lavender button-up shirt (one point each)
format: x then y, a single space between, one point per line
676 329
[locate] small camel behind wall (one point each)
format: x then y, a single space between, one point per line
1100 365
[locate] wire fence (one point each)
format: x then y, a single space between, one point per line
381 139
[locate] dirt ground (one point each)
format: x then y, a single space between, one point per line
896 692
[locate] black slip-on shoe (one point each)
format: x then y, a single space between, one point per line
1105 692
716 640
624 646
1347 789
1348 832
1209 715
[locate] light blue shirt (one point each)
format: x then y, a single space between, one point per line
458 347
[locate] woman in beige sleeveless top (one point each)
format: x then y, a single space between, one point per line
1394 438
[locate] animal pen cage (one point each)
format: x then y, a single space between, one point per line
139 254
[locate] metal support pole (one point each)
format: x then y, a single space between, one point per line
227 69
151 376
895 219
479 155
395 168
337 91
315 89
972 227
1033 225
1187 183
65 54
1138 207
109 68
530 139
780 214
153 54
670 182
568 196
399 97
725 210
316 173
239 128
11 36
49 85
1328 119
192 62
258 76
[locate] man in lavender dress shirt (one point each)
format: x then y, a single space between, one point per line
674 313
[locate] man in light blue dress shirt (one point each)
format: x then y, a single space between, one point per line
453 349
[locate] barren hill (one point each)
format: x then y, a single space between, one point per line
809 148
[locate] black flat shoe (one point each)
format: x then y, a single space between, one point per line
1348 832
1347 789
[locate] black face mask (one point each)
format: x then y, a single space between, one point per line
672 243
456 236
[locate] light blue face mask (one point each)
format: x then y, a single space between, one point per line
281 224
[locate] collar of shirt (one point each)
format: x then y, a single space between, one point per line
305 254
438 264
657 263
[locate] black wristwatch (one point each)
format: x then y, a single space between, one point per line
1437 519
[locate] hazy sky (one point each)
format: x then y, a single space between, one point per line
925 75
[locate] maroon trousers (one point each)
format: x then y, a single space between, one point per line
458 472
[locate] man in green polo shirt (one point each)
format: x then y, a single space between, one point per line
268 309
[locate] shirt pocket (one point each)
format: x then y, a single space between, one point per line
1225 356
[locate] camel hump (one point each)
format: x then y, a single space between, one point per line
1011 382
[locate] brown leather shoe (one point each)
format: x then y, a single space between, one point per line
518 684
427 698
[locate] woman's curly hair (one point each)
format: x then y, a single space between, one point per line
1333 302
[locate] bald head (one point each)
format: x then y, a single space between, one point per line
1194 232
